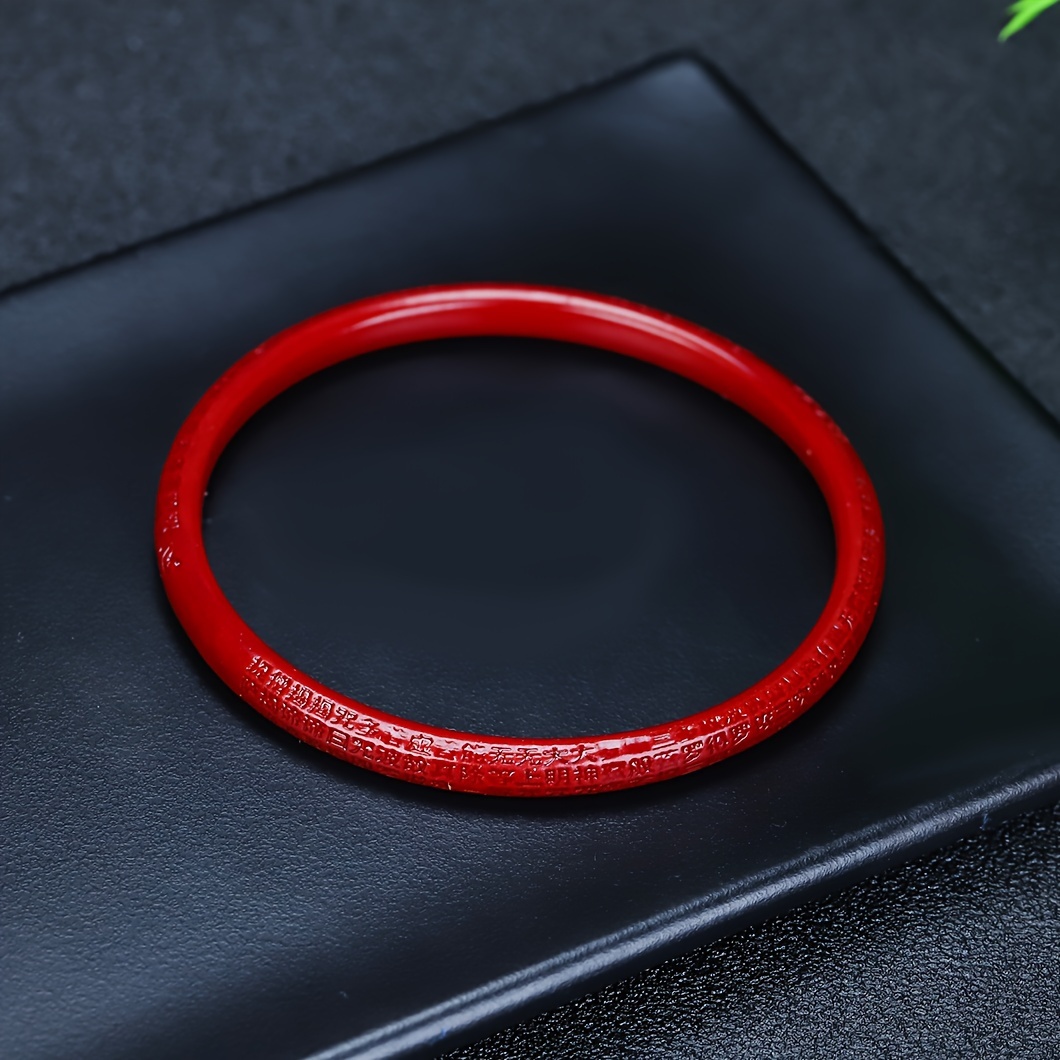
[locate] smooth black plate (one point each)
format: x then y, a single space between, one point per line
502 535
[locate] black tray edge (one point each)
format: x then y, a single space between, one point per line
579 971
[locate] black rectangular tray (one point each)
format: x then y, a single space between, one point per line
505 536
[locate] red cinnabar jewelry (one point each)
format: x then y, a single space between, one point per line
500 765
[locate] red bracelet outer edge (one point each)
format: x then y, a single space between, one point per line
497 765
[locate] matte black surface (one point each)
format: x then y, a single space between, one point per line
167 848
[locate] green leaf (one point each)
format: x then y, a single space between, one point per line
1023 12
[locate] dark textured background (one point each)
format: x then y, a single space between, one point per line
121 120
124 120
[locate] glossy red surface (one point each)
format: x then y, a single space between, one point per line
498 765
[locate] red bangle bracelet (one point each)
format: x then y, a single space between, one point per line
500 765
